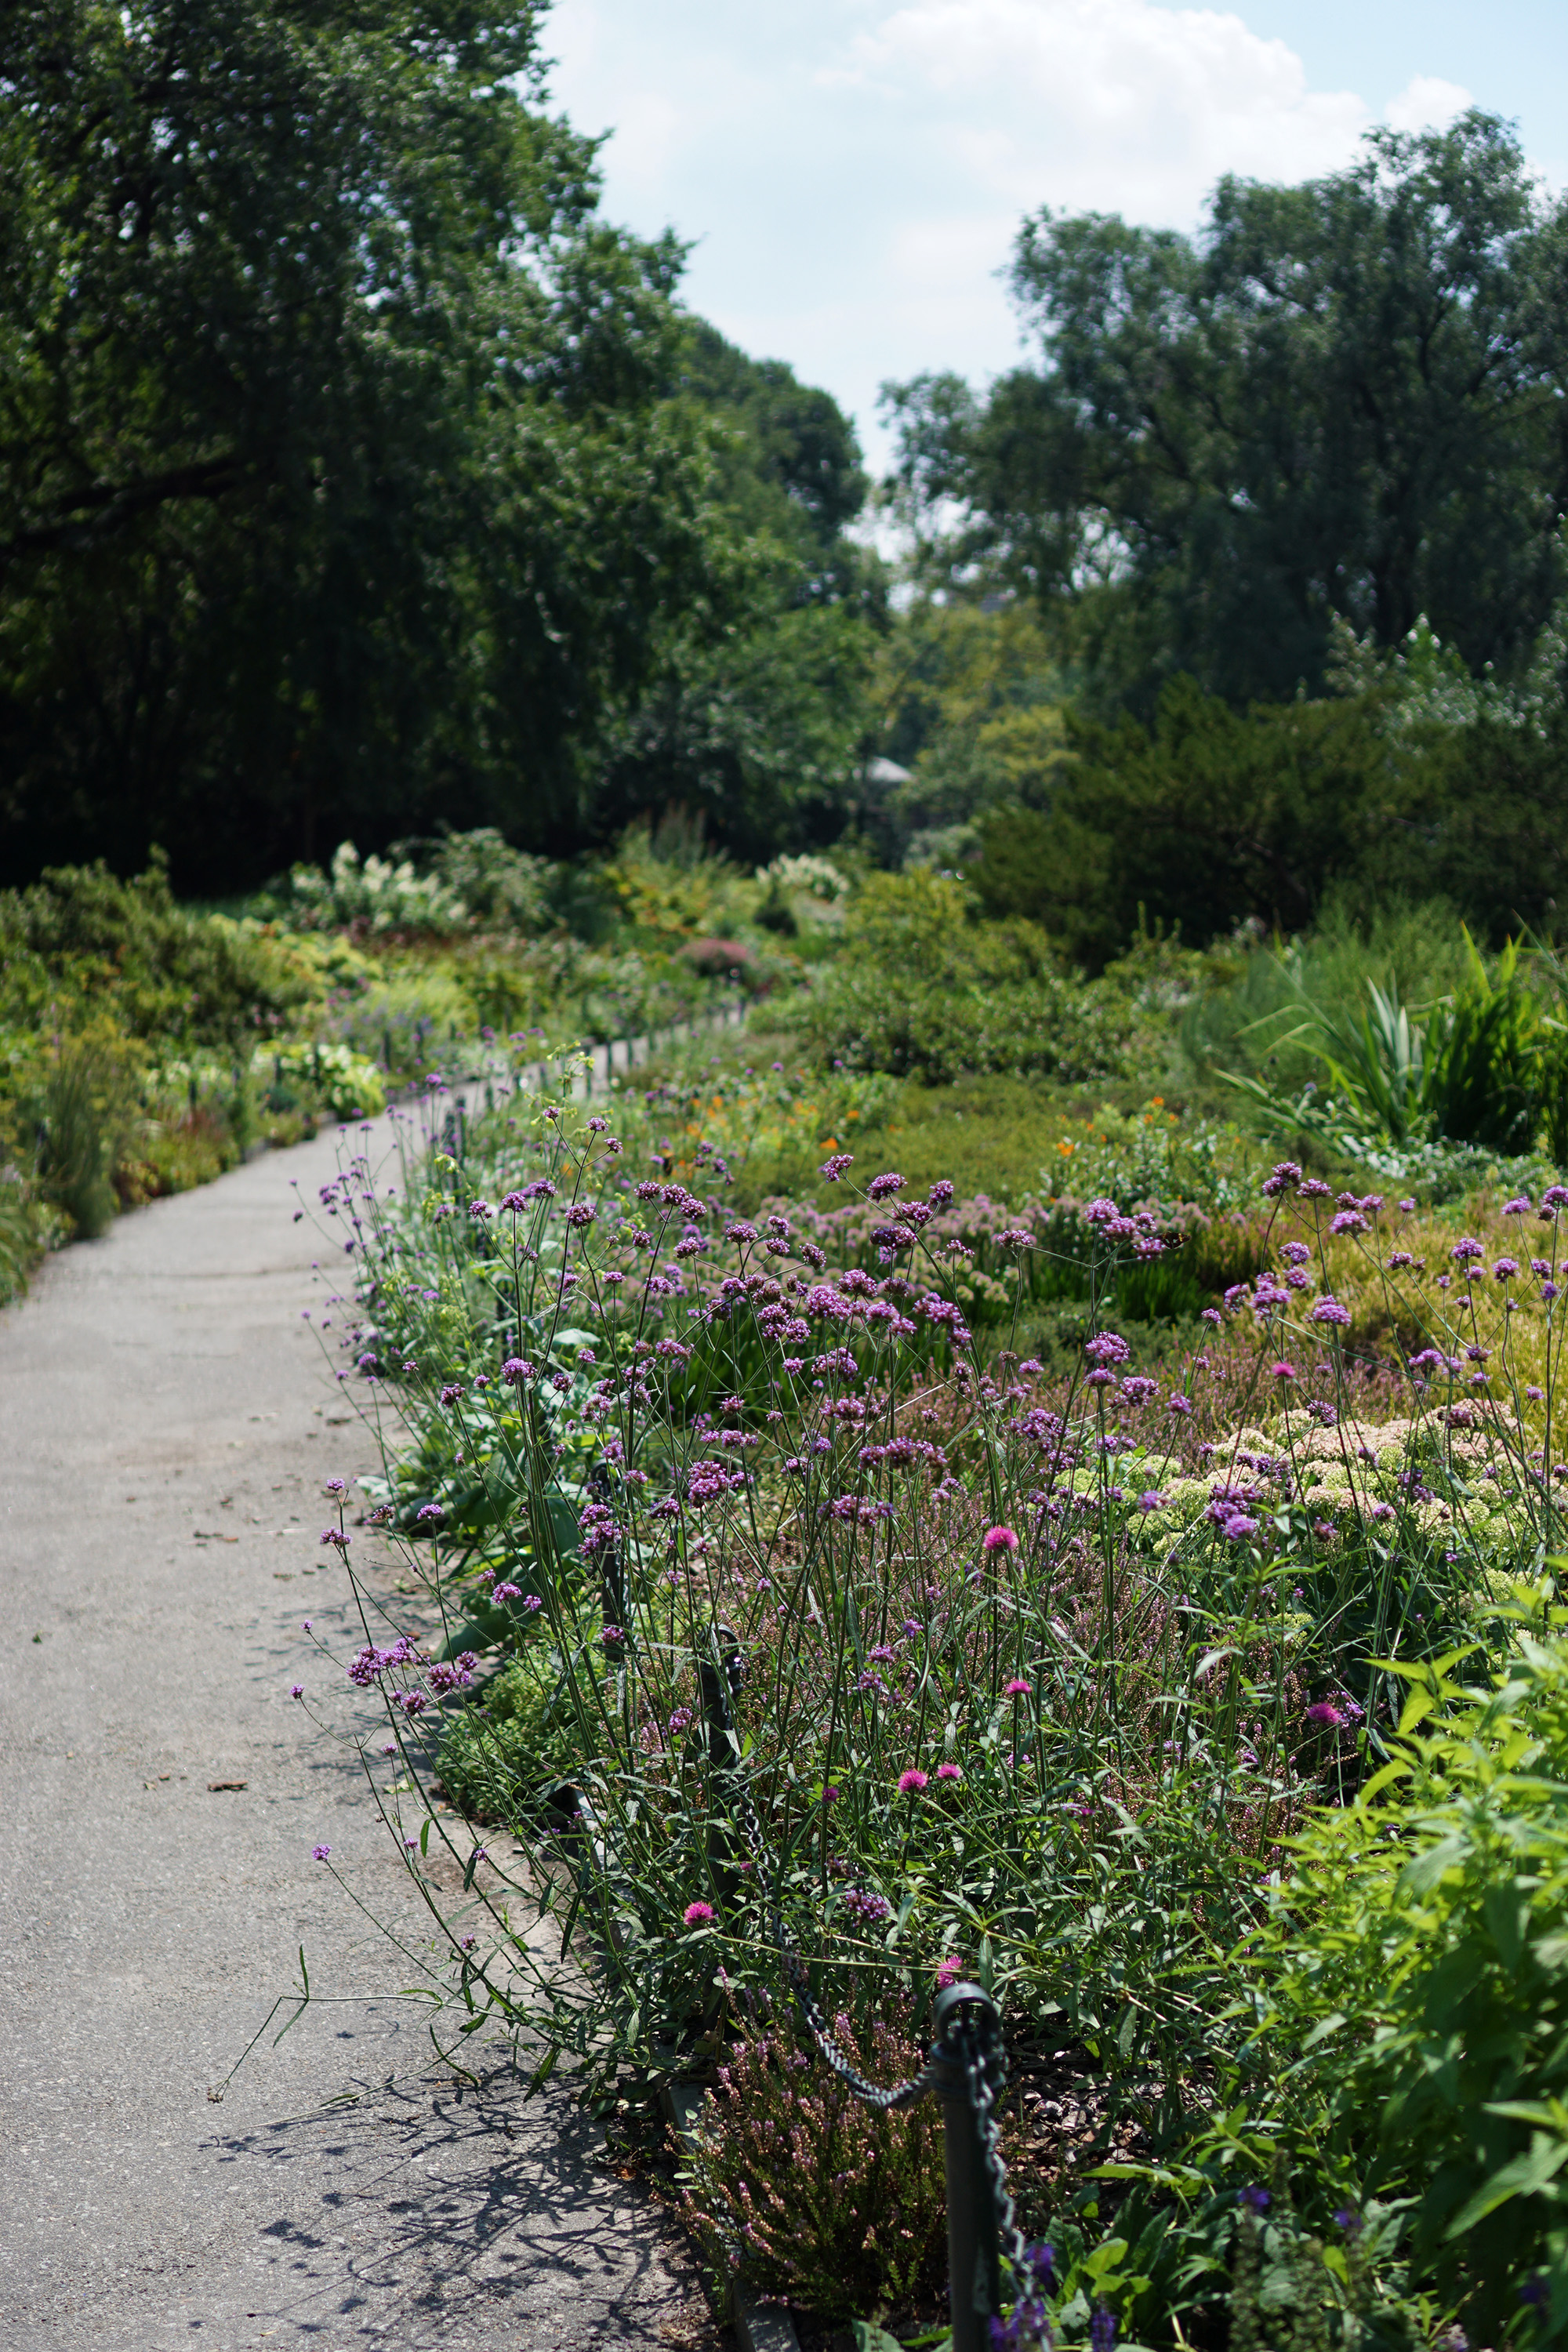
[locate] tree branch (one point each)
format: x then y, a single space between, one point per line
98 511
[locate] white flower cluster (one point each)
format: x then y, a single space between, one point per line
815 877
383 896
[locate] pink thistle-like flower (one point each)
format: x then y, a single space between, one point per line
912 1782
1325 1713
998 1539
949 1971
949 1772
1282 1371
697 1915
1017 1688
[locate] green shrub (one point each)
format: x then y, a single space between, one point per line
1418 1957
81 934
874 1018
501 887
499 1752
84 1113
347 1083
924 990
18 1239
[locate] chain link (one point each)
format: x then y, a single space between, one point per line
871 2095
979 2063
984 2062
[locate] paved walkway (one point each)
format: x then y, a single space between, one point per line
165 1426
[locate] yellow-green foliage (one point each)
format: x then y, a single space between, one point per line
666 881
1418 1957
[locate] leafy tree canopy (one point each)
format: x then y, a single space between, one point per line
351 465
1345 398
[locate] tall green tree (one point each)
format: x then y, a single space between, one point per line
759 715
1343 398
344 474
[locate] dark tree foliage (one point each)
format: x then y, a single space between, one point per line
1343 398
759 726
1213 817
795 470
344 474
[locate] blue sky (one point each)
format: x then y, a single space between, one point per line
852 171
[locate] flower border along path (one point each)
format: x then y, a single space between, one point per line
166 1440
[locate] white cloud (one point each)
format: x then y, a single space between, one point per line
1114 104
1427 103
854 170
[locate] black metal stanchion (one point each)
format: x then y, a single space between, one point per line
715 1676
973 2255
966 2067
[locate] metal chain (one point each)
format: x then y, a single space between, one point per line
983 2097
983 2061
871 2095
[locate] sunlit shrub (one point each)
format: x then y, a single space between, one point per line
19 1237
1418 1951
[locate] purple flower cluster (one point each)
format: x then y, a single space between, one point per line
372 1661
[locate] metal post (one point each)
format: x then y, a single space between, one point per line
719 1726
973 2262
614 1603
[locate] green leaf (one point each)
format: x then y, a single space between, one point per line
1507 1915
1527 2176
